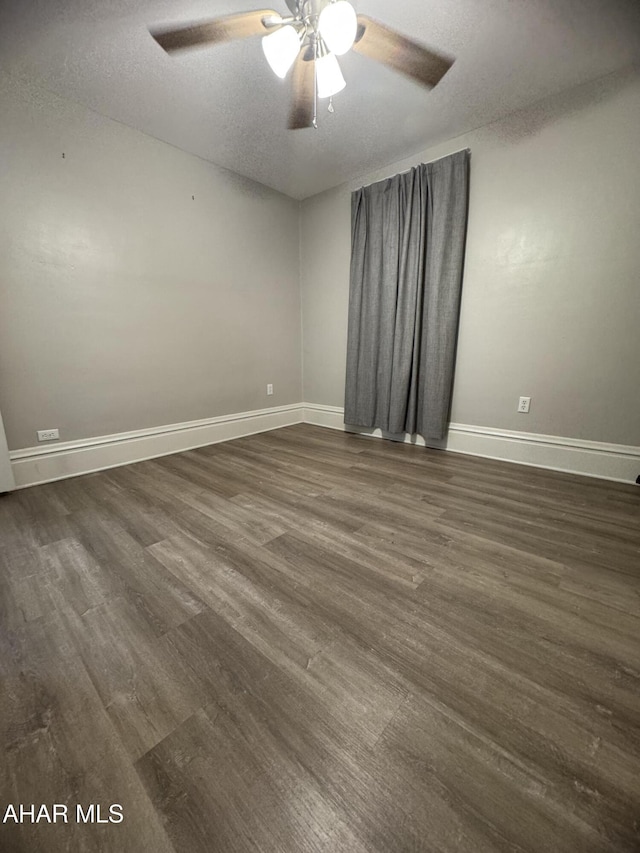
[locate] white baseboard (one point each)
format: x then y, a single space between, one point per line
572 456
34 465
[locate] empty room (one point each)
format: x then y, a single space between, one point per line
320 426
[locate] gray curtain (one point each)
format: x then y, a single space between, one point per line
407 254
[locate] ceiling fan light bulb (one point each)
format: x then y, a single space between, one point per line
329 76
281 49
338 25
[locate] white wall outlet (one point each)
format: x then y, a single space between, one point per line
48 434
524 405
269 390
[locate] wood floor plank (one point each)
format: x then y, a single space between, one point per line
309 640
280 627
203 778
510 801
160 599
144 686
321 739
239 522
51 755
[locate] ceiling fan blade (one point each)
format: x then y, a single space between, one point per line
386 45
303 85
215 32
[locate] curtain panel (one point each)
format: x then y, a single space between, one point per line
407 254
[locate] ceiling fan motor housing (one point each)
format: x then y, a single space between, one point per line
306 9
296 6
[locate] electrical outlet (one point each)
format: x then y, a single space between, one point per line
269 390
48 434
524 405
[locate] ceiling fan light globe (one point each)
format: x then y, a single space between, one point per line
329 76
338 25
281 49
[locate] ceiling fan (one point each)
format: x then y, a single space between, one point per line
309 40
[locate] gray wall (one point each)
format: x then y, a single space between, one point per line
125 304
551 298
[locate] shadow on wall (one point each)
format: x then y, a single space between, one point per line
533 119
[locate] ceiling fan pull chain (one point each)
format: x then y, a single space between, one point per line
330 107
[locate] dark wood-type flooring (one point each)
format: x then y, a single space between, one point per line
313 641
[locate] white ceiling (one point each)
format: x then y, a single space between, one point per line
224 103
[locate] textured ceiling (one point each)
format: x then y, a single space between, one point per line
224 103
